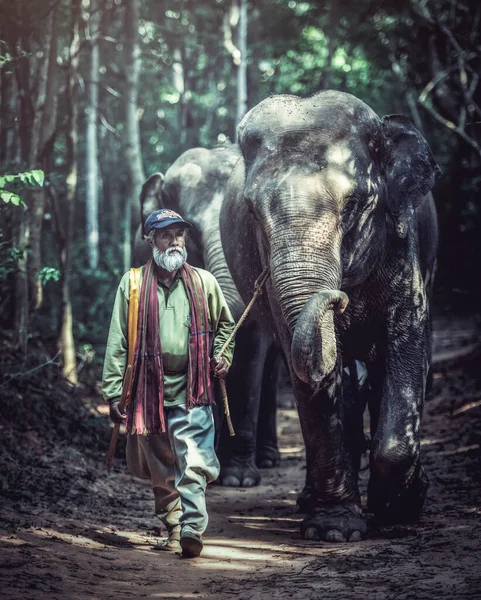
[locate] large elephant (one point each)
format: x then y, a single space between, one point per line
194 186
336 200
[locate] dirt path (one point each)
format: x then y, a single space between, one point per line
97 541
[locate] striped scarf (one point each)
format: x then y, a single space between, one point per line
145 411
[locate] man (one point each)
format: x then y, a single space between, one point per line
182 320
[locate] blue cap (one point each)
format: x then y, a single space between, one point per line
163 218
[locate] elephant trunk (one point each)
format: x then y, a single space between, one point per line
306 285
314 346
306 271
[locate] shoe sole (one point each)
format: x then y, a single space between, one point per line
191 547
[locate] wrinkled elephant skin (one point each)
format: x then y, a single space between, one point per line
336 201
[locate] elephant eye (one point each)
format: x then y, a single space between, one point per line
253 139
251 143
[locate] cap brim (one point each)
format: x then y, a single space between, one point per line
169 222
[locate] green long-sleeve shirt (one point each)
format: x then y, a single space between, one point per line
174 317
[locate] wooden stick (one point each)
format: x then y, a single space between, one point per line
226 407
259 283
116 429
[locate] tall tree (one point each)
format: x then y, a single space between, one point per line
242 66
92 167
65 215
32 43
132 147
235 19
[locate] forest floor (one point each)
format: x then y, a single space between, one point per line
71 530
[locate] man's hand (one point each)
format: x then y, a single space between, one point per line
115 415
219 367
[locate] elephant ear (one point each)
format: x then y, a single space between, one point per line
151 195
409 167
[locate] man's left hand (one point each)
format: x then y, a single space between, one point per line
219 367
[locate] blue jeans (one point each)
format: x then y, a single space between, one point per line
183 467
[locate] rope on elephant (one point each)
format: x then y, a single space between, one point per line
258 285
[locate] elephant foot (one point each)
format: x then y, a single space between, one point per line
239 474
335 524
305 500
268 457
397 503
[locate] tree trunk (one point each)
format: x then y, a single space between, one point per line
92 167
242 67
35 70
21 318
237 18
44 124
133 154
178 81
330 32
66 343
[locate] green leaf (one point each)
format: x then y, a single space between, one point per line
2 182
11 197
48 273
38 176
9 178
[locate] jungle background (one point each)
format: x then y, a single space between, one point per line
96 95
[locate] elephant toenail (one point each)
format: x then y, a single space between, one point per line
231 481
311 533
355 536
248 482
334 535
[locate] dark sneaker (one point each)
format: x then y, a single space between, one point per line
191 545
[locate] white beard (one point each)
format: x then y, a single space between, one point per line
170 259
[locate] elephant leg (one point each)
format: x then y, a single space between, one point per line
335 513
305 500
267 455
398 483
353 406
237 453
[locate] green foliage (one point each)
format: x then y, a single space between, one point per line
33 178
10 197
47 274
9 257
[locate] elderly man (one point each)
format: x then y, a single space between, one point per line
181 324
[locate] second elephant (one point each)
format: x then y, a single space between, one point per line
194 186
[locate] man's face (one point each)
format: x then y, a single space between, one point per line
168 248
169 237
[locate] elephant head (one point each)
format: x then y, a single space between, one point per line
194 187
327 182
